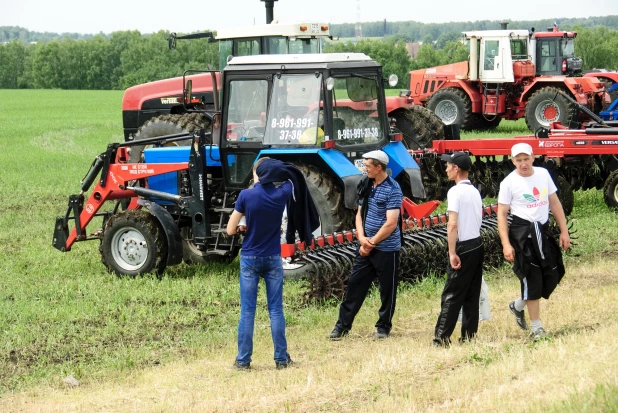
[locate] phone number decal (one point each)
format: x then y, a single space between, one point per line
289 123
358 133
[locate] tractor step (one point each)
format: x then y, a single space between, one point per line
225 210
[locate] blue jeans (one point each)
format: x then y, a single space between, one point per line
251 268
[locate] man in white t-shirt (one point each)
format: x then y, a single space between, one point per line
465 249
530 193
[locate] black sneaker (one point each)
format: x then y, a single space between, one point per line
289 363
441 343
241 366
337 334
381 334
519 316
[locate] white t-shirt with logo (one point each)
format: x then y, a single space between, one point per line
466 200
528 196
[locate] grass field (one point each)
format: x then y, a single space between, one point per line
162 345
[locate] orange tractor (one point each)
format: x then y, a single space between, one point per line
511 74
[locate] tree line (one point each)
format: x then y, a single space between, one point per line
127 58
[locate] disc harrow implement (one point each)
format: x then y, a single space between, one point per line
424 251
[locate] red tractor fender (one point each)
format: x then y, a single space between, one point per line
604 76
582 89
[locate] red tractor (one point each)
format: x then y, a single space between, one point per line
509 74
159 108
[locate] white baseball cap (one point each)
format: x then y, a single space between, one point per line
521 148
379 156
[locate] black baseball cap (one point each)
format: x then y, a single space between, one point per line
461 159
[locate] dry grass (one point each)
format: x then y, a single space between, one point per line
502 371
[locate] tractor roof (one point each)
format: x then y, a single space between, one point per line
514 34
299 30
299 58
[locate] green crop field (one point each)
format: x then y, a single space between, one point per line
62 314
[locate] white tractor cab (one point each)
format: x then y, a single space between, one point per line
273 38
495 51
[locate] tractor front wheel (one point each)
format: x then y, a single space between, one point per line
546 106
610 190
133 244
453 106
419 126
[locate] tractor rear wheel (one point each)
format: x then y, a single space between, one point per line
133 244
334 217
565 194
168 125
545 106
453 106
610 190
419 126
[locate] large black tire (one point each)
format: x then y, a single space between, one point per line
419 126
453 106
546 105
565 194
133 244
610 190
334 217
168 125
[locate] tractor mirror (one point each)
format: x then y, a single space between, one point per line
171 41
188 91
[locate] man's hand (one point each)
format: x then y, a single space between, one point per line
364 252
455 261
366 243
565 240
509 252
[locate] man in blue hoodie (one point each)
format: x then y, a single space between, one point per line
260 256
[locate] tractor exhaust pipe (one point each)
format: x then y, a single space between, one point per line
269 10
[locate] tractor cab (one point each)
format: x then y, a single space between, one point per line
497 56
554 53
293 106
273 38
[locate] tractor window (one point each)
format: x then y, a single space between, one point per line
567 47
356 120
492 49
547 62
304 46
293 112
519 49
277 45
247 47
246 115
225 50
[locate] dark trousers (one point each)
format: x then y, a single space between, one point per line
381 264
462 289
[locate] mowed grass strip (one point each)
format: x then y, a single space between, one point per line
64 314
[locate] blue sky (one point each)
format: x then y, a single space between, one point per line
107 16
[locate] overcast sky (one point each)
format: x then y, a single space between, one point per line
84 16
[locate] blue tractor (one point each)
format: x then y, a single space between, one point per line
320 112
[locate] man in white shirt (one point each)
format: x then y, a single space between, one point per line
529 193
465 248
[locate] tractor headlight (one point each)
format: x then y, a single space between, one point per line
392 80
